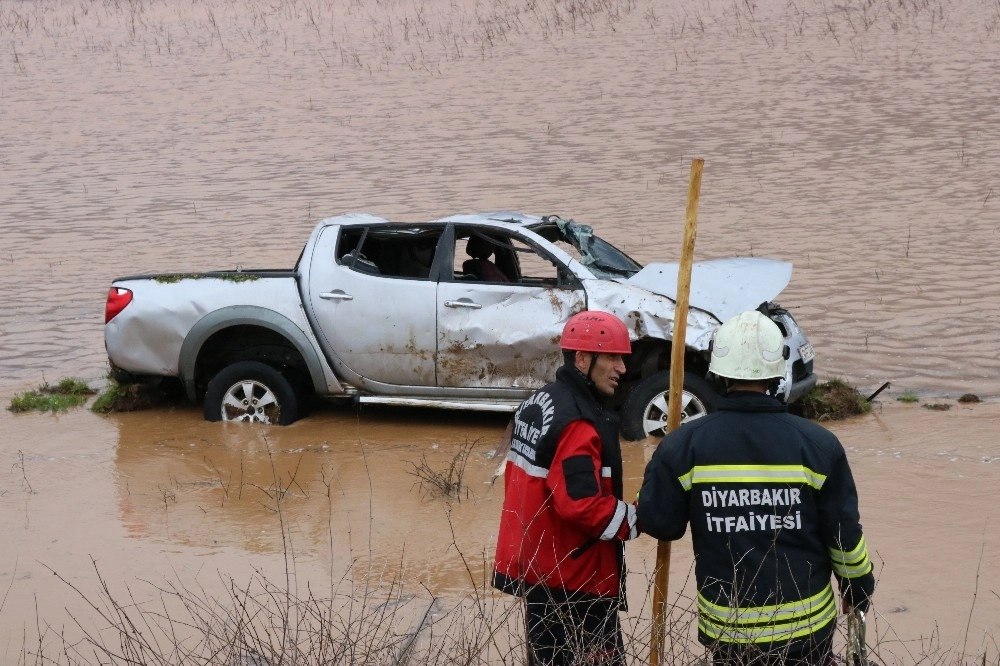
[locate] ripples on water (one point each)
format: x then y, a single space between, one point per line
859 140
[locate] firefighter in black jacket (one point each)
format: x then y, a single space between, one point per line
773 511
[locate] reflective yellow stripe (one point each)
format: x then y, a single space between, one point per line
767 624
793 474
853 563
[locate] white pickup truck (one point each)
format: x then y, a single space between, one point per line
464 312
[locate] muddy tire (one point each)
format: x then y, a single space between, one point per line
252 392
645 411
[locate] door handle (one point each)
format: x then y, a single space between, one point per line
463 303
336 295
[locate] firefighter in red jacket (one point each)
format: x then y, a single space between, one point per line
564 522
773 511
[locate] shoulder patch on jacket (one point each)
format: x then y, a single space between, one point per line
581 479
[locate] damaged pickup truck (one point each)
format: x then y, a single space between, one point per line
464 312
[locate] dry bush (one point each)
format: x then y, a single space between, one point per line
445 482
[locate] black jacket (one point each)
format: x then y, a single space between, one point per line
773 511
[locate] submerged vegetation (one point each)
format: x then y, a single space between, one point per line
448 481
424 38
69 392
833 400
131 397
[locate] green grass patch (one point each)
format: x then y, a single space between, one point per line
119 397
69 392
833 400
909 396
105 402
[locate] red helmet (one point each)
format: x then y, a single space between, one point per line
595 331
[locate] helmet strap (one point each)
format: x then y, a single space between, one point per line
587 376
590 370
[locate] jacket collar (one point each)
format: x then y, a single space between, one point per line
750 401
570 375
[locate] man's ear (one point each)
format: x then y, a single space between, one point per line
582 361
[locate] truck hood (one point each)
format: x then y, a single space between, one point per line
724 287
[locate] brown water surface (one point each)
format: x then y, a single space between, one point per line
859 140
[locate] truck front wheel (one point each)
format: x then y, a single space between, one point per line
253 392
645 411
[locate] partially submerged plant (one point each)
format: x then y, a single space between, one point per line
909 396
130 397
832 400
446 482
69 392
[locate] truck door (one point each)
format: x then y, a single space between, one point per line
373 301
502 312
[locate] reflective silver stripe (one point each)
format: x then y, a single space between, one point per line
767 623
616 521
633 521
851 564
794 474
529 469
606 472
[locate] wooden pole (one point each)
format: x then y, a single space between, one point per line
674 396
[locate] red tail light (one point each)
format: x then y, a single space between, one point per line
118 298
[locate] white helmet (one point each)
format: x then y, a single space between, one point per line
749 346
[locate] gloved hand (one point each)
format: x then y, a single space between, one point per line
854 597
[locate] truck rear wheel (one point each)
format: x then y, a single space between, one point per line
645 411
253 392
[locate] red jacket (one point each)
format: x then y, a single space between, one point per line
564 521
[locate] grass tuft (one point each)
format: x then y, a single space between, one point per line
131 397
909 396
833 400
69 392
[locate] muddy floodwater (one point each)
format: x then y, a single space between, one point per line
859 140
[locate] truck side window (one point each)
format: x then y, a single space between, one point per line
414 258
360 263
349 252
400 252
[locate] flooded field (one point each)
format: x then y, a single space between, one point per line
859 140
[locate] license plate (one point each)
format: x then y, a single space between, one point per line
806 352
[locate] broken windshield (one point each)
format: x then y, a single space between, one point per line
601 257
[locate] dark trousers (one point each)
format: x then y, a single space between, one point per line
572 632
805 652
